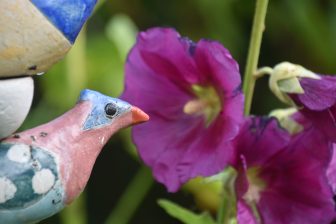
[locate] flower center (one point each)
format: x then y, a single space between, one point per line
256 185
207 103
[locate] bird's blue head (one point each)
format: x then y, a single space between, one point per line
67 15
104 109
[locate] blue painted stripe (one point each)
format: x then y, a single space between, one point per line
67 15
97 117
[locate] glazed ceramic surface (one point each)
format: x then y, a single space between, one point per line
36 34
29 183
47 167
15 100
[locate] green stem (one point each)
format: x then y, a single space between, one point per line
75 213
227 208
223 214
253 53
99 4
132 197
76 70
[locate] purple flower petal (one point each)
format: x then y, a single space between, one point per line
319 94
301 120
319 103
161 70
164 51
324 120
297 177
217 66
331 171
259 139
245 214
295 187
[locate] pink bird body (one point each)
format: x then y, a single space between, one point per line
73 141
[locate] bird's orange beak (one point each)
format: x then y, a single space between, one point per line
138 115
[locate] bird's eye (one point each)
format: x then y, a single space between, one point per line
110 109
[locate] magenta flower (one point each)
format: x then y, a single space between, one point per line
192 93
318 103
282 180
331 171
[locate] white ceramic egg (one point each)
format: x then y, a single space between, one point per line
15 101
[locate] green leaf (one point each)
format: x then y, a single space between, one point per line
121 30
185 215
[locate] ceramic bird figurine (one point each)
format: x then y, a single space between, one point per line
47 167
35 34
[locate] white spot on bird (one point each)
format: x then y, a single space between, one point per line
7 189
19 153
43 181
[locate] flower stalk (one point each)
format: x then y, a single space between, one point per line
227 209
258 28
130 200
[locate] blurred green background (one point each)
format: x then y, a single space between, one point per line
299 31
